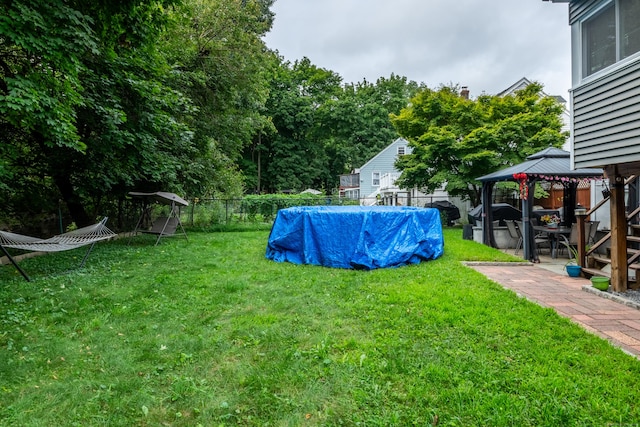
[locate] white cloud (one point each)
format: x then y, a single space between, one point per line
485 45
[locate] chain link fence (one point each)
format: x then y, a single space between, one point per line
214 211
221 211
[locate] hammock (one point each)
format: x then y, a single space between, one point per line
63 242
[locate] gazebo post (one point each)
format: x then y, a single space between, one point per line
569 201
528 242
487 215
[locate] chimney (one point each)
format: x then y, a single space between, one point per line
464 93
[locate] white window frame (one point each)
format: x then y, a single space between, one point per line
402 150
619 61
375 179
583 42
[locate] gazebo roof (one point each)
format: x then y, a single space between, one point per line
550 162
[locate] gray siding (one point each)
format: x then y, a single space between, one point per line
606 119
578 8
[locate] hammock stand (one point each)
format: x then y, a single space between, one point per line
63 242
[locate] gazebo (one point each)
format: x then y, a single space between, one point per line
550 164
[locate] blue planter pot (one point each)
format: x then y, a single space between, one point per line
573 270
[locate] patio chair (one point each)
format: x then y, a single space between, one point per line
571 242
591 236
514 233
540 240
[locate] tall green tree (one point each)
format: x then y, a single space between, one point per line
322 128
98 99
456 140
294 157
83 88
220 62
355 126
42 44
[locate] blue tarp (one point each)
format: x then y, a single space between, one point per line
361 237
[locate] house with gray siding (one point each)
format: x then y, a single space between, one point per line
605 112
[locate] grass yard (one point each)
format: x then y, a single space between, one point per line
208 332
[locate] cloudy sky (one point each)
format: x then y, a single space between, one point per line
486 45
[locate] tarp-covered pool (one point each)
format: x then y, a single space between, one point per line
360 237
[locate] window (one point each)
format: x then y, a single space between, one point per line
375 179
608 37
629 27
401 150
599 40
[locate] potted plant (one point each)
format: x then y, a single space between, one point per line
601 283
572 267
551 221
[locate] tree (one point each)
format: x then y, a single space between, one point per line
355 126
220 62
322 128
41 46
83 93
294 157
456 140
97 100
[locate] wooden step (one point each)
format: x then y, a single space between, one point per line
630 252
605 261
589 272
600 259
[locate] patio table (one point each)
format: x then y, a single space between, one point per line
554 236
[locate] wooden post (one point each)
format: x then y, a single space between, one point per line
619 270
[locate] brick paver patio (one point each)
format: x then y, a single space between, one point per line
610 319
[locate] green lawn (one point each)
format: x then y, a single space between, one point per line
209 332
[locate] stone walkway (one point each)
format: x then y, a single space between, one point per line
598 312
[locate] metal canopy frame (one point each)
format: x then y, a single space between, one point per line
548 162
162 226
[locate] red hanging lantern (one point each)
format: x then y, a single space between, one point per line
524 188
